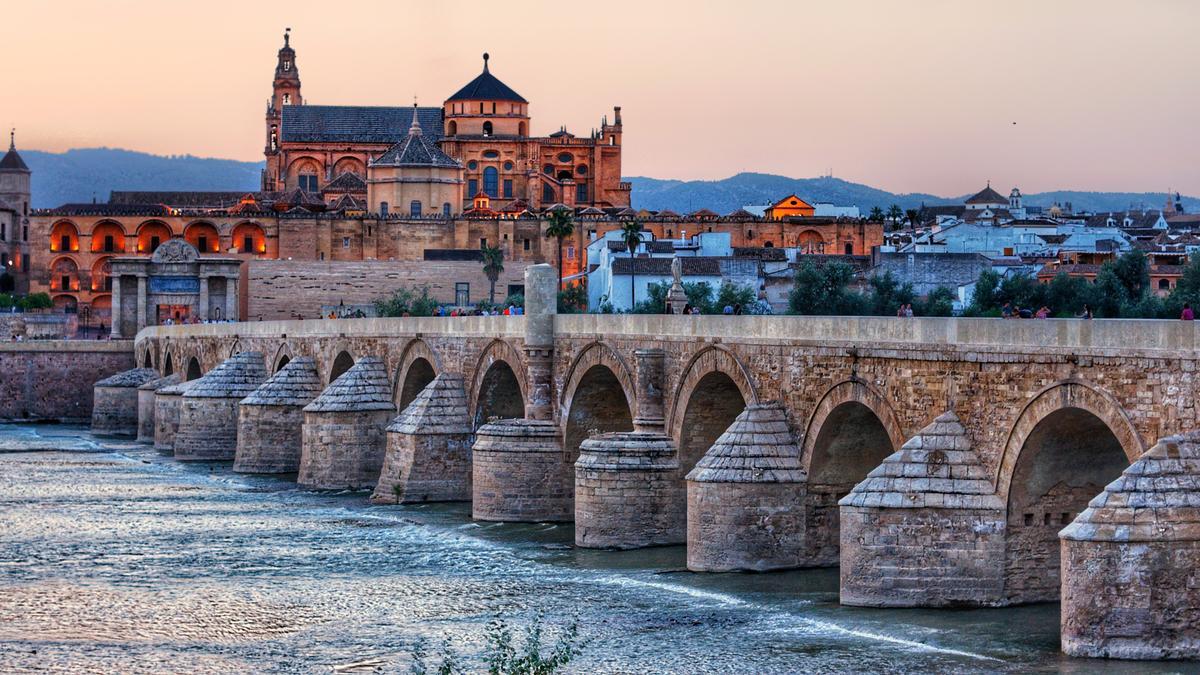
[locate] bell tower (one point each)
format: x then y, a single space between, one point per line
285 91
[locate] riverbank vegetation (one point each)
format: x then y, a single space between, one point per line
501 654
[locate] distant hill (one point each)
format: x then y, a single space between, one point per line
79 175
742 189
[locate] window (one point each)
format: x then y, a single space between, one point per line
154 242
493 107
274 138
570 253
446 209
462 293
548 169
414 209
581 169
547 193
508 188
508 166
452 128
64 242
565 157
472 165
581 192
670 233
490 154
109 246
525 244
750 234
383 209
482 242
849 248
25 261
3 233
64 283
490 178
308 182
287 65
25 233
487 128
247 243
472 187
322 255
345 242
1163 284
202 243
287 99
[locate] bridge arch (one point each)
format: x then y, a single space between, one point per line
168 365
1069 441
598 395
283 356
417 367
850 432
341 363
714 387
498 384
193 369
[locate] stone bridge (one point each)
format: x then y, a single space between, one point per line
1034 418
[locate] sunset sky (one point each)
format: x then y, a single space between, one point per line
919 95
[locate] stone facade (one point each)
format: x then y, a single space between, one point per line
145 404
925 528
115 407
344 429
208 413
271 419
628 493
519 473
166 415
1131 561
53 379
429 448
745 497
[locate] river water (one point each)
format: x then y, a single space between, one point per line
114 558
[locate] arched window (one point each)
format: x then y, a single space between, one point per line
491 178
446 209
1164 285
452 128
383 209
487 128
414 209
521 129
548 169
547 193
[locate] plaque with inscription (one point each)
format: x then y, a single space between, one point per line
174 285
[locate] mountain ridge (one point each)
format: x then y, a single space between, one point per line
84 174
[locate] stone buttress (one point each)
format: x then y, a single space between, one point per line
1131 561
628 491
145 397
166 415
429 447
271 419
924 528
519 472
344 437
745 497
208 413
115 402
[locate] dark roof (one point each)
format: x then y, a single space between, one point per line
349 203
741 214
987 196
12 160
416 149
486 87
347 182
177 199
355 123
453 254
660 247
708 267
298 197
764 253
86 209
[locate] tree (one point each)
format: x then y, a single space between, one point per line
913 217
876 214
887 294
35 301
823 290
983 300
939 302
562 225
894 214
406 300
631 234
493 265
1133 271
572 299
732 295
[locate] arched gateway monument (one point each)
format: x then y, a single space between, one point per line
173 284
957 448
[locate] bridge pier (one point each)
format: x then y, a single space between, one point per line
208 414
145 396
628 492
115 402
271 419
166 415
428 456
1131 561
745 497
925 529
344 438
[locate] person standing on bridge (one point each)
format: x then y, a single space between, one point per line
1188 314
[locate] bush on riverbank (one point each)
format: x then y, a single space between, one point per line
501 656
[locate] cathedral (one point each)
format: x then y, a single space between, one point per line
436 161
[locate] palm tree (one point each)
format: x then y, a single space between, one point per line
493 265
913 216
562 225
876 214
631 234
894 213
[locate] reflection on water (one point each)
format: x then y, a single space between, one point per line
115 559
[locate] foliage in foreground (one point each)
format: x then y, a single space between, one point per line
26 302
501 656
701 294
415 302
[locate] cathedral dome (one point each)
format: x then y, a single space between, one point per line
486 87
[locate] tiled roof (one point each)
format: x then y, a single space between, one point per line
934 469
348 181
416 150
296 384
364 387
758 447
161 383
177 199
440 408
237 377
355 124
486 87
349 203
111 210
987 196
765 253
129 378
12 161
703 267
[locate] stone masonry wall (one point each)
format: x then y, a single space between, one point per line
53 380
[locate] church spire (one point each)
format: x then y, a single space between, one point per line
414 129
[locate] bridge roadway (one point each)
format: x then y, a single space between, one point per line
1051 411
